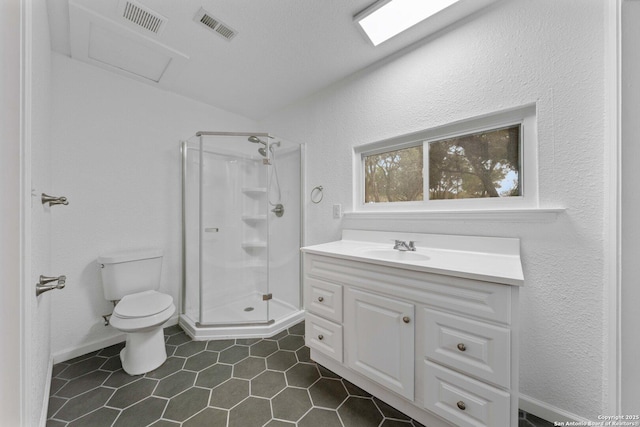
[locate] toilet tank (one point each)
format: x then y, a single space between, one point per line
128 272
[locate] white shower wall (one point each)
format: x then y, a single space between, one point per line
284 237
228 269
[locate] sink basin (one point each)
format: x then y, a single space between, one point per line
395 255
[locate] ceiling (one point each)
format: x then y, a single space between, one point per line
283 50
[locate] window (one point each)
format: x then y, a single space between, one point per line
479 163
482 164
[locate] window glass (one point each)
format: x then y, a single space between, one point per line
394 176
478 165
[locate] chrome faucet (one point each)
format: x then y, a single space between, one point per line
401 245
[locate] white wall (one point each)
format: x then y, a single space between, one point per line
630 204
518 52
116 157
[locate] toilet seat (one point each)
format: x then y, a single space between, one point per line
142 304
143 310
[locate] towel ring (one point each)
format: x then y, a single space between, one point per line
317 194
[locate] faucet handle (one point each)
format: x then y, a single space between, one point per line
412 245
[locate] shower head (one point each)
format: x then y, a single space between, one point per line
262 151
256 140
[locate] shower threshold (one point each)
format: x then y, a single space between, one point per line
233 321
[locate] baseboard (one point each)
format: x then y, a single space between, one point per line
547 412
70 353
45 396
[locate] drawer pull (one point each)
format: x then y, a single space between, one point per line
320 299
462 347
406 319
461 405
320 337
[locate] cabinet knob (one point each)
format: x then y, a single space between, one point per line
461 405
406 319
320 299
320 337
462 347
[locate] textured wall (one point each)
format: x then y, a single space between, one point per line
518 52
117 159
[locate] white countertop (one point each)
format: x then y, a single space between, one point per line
490 259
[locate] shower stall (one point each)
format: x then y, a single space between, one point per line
242 223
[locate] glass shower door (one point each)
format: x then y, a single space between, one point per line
234 231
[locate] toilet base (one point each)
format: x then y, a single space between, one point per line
143 351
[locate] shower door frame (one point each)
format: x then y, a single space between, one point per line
184 148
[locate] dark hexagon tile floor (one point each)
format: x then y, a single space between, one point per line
268 382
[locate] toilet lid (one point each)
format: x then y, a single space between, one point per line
142 304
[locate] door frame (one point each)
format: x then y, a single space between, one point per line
26 198
12 227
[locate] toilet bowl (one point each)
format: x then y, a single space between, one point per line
131 278
141 316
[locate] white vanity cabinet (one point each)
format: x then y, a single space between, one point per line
440 347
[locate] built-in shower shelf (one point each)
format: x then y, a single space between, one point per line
254 191
254 218
255 244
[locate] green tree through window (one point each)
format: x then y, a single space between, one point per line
484 164
394 176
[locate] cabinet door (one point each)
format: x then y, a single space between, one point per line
379 339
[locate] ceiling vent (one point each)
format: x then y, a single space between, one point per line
142 16
214 24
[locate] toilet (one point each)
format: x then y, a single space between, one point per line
132 278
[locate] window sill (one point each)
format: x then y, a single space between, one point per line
508 215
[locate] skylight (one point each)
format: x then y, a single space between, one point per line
387 18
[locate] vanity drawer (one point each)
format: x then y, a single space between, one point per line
463 401
324 336
323 298
470 346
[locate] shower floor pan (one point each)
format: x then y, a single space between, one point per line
243 317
